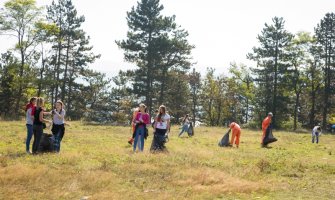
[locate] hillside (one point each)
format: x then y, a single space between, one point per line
96 162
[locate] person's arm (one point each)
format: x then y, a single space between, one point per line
146 120
61 115
42 119
168 125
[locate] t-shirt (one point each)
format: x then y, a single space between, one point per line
162 124
37 116
29 116
56 119
315 130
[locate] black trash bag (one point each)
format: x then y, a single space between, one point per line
47 143
225 140
190 130
158 142
269 138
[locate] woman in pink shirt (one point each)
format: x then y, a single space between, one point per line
141 120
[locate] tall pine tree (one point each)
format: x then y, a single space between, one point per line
271 68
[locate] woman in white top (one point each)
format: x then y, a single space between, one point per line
161 126
316 132
58 128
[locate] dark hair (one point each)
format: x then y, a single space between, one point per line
160 114
30 104
186 116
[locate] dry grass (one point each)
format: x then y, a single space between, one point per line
97 163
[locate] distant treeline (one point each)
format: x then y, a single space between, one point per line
293 76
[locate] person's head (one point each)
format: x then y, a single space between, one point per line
162 109
186 116
59 105
142 107
270 114
232 125
156 111
40 102
33 100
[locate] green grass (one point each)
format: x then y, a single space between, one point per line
97 163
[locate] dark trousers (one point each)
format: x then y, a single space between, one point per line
37 131
58 131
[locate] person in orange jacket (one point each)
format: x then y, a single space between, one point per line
265 124
236 133
131 140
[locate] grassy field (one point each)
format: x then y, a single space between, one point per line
96 162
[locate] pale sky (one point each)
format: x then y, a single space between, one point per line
223 31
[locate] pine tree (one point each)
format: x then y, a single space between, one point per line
155 44
325 33
271 68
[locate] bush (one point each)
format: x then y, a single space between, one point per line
289 124
253 125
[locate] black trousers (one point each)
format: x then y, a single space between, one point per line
37 131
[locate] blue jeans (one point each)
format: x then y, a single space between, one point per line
58 131
58 140
29 135
184 128
139 138
315 136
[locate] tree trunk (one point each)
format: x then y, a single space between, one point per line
41 75
274 104
66 68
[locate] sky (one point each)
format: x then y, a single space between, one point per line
223 31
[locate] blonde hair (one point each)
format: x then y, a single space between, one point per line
61 103
40 102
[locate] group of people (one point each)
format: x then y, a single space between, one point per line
267 136
160 125
36 122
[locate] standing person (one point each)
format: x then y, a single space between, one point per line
185 125
38 123
153 120
162 125
141 120
316 132
236 133
131 140
58 128
30 107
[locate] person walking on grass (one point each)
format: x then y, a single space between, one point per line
316 132
38 123
58 125
141 120
236 133
185 125
30 107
